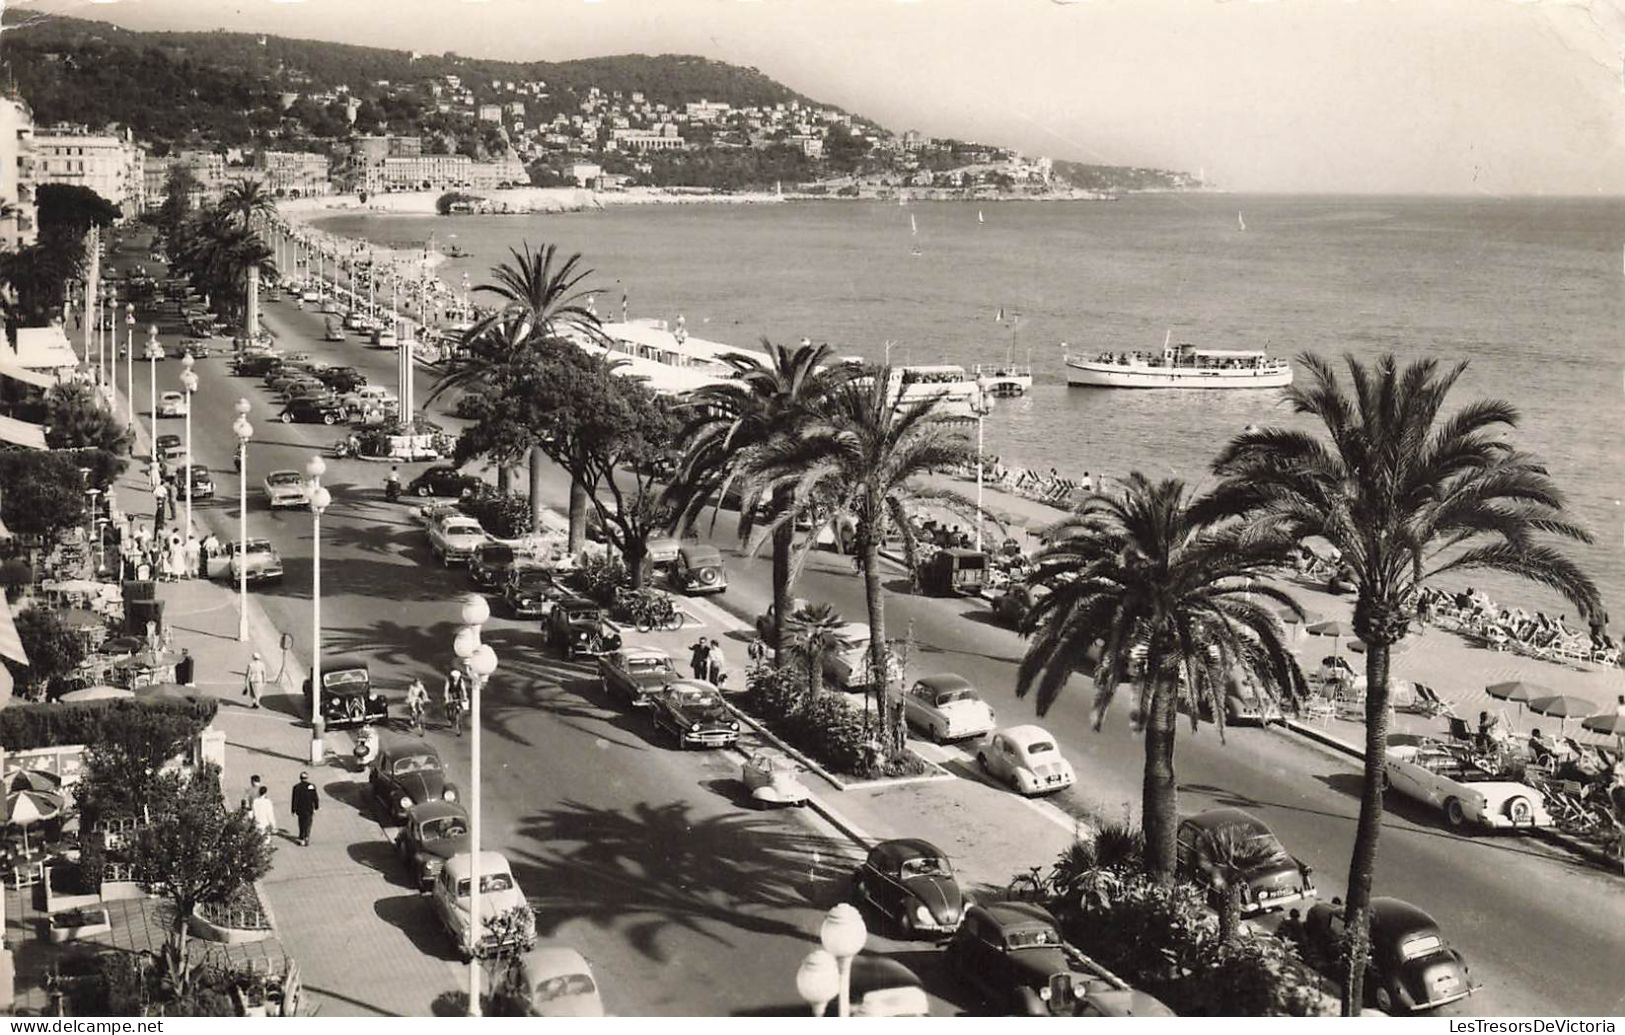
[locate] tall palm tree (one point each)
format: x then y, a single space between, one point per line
246 200
1407 493
761 400
1170 598
862 454
815 634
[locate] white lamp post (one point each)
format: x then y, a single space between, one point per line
189 386
818 981
244 431
154 353
843 935
479 660
319 500
981 411
129 367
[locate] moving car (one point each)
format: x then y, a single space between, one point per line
490 564
1412 967
1450 779
532 592
578 627
442 480
434 832
912 884
1025 758
286 489
195 349
172 404
202 482
636 673
384 338
312 409
170 447
1012 955
455 538
408 773
334 332
947 708
348 698
548 981
691 710
500 897
698 569
257 556
1212 842
773 779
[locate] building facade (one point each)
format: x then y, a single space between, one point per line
108 163
20 228
293 174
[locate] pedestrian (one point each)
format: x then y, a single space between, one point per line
698 658
254 786
305 804
254 679
193 554
184 668
757 652
207 550
177 557
264 812
160 501
713 664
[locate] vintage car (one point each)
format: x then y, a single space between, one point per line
773 779
636 673
202 482
698 569
911 883
408 773
286 489
256 558
1412 967
764 621
442 480
531 592
578 627
255 364
385 338
334 332
170 447
500 897
348 697
304 387
953 572
434 832
455 538
848 668
309 296
312 409
691 710
371 397
1244 704
1449 779
490 564
196 349
1214 842
1012 606
547 981
947 708
342 379
172 404
1025 758
1011 954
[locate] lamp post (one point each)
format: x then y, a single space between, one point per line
319 500
129 366
479 660
818 981
154 353
244 431
189 386
981 410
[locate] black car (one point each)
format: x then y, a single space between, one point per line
912 884
255 364
531 592
310 409
1412 967
692 711
408 773
490 564
434 832
342 379
202 482
170 447
578 627
348 697
442 480
1213 843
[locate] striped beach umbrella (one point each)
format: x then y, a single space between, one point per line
25 809
33 780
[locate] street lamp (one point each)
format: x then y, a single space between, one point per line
189 386
818 981
154 353
129 367
319 500
981 409
479 660
244 431
843 935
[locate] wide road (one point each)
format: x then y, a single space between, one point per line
613 834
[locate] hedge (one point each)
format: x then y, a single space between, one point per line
504 515
25 726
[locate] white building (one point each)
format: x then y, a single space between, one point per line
108 163
296 174
17 174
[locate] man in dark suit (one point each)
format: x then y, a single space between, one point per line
305 804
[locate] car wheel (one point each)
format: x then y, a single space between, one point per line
329 419
287 418
981 761
1454 814
1383 999
422 491
1518 809
936 734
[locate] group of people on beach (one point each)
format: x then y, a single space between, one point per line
1538 631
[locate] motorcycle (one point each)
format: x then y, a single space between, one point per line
366 748
392 490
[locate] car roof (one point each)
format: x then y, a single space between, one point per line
409 746
1219 819
339 662
903 848
691 684
1393 916
570 603
645 652
1019 914
274 474
945 681
1025 735
547 961
435 809
490 862
692 553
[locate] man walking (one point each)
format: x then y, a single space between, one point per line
264 812
186 668
699 658
254 678
305 804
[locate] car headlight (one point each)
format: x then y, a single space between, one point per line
695 727
449 794
734 726
1044 993
405 803
923 915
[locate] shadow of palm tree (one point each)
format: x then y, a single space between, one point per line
654 867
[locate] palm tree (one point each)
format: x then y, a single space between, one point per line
728 419
1407 494
862 454
1170 599
246 200
1228 854
815 633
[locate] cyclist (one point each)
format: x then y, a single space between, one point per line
417 702
456 696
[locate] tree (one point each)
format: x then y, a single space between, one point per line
53 649
247 200
44 494
179 189
727 421
74 420
72 209
1407 494
1170 598
1228 854
815 633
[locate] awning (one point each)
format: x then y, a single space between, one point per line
21 433
11 645
10 368
44 348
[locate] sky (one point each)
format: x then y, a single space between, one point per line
1300 96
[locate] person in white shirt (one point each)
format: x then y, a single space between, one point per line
264 812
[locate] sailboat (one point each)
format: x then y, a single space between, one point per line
979 218
1241 224
914 231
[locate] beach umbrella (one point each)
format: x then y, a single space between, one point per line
1518 691
25 809
1336 628
95 693
1610 724
33 780
1288 617
1562 707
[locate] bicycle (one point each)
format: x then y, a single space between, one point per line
454 715
1031 886
414 717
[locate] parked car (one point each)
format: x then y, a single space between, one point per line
578 627
911 883
691 710
698 569
312 409
455 538
202 482
1013 604
348 696
1244 704
170 447
773 779
255 364
499 895
947 708
371 397
1451 780
408 773
442 480
434 831
342 379
1270 877
848 668
304 387
532 592
636 673
662 552
1026 758
257 556
548 981
172 404
197 349
1412 967
1011 954
286 489
951 572
490 564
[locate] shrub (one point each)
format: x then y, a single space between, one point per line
831 730
1258 976
774 694
505 515
1151 934
24 726
600 575
52 648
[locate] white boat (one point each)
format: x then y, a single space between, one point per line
1241 224
1005 380
1179 366
960 395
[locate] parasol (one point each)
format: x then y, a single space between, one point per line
1289 618
27 808
1337 630
1562 707
150 659
1610 723
1518 691
33 780
102 692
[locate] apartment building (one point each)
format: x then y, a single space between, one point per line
108 163
294 174
19 229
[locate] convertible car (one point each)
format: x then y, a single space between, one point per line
1449 779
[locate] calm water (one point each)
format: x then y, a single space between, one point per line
1530 291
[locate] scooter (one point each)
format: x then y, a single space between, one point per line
366 748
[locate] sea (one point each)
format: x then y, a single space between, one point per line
1529 291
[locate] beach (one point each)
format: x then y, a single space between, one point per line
516 201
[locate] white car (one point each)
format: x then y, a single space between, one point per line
310 296
500 897
848 668
1448 779
172 404
773 779
371 397
554 981
1026 758
455 537
286 489
947 707
385 338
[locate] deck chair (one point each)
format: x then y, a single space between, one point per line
1460 731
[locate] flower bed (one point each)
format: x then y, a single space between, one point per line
827 727
67 888
241 918
79 923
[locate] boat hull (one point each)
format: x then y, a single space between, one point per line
1106 375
